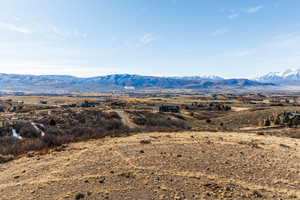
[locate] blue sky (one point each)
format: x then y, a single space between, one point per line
230 38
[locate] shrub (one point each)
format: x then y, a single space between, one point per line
60 130
277 120
79 196
15 146
113 115
159 121
8 141
22 146
52 122
208 121
145 141
267 122
5 158
29 131
52 140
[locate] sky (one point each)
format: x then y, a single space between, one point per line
229 38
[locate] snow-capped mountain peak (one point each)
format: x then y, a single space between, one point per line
211 77
200 77
289 73
285 77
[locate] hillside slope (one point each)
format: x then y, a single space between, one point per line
191 165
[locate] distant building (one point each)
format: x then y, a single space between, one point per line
43 102
173 109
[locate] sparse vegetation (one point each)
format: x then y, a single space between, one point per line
158 121
48 131
79 196
5 158
90 118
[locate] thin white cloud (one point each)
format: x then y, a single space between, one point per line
233 16
221 31
243 53
17 18
254 9
279 52
54 68
75 33
14 28
289 41
147 39
231 13
135 43
278 47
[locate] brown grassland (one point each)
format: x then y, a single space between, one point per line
224 146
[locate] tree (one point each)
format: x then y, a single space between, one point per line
267 122
277 120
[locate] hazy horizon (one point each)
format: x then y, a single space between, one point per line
240 39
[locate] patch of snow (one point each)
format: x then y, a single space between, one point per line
35 125
16 134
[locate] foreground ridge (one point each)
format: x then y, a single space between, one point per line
182 165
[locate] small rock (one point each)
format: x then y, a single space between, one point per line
89 193
145 141
257 194
127 175
284 145
155 137
31 154
102 179
79 196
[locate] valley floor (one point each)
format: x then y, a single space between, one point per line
182 165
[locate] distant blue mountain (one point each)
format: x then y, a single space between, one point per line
116 82
204 77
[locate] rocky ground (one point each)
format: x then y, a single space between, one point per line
182 165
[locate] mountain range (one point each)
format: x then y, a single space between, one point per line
288 77
118 82
202 77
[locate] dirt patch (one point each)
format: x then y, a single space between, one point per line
238 109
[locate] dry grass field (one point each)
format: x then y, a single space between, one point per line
121 147
183 165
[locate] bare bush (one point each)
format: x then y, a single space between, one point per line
159 121
5 158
